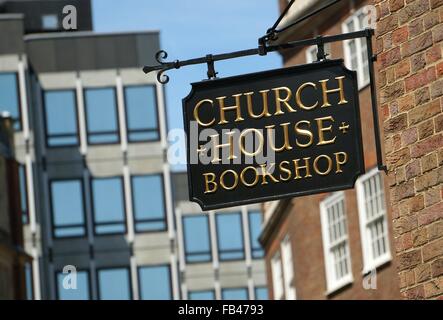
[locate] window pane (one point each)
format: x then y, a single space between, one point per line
261 293
28 281
23 194
101 116
155 283
114 284
67 208
230 236
9 97
201 295
196 234
70 293
235 294
148 203
61 118
50 21
141 113
255 230
109 212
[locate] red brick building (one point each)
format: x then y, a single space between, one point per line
327 246
409 42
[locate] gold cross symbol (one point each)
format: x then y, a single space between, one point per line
344 127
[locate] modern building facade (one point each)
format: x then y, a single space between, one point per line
219 253
338 245
14 262
90 132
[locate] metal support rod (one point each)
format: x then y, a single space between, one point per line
371 59
165 66
263 49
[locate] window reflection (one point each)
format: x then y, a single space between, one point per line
196 234
108 206
67 208
230 236
101 116
61 118
148 203
141 113
155 283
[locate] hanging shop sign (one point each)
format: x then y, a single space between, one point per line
274 134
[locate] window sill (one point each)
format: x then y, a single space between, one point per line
340 284
377 263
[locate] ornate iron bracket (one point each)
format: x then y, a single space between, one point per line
263 49
162 67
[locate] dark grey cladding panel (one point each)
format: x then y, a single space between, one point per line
179 186
147 46
65 55
42 55
85 53
126 50
92 52
105 52
11 36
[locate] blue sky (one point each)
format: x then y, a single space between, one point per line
194 28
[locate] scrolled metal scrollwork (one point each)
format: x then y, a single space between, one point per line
162 67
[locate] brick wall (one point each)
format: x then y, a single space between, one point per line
409 43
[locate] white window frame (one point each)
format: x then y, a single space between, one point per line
332 284
288 268
312 51
362 82
369 263
277 276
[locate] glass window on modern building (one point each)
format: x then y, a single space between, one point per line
235 294
61 118
230 236
201 295
356 56
261 293
68 217
373 220
9 97
154 282
141 113
114 284
108 206
23 194
101 116
65 289
255 223
277 276
335 242
197 239
148 203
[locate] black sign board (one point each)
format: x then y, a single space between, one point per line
273 134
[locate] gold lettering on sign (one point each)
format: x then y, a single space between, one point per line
210 180
271 137
196 114
236 107
265 111
322 129
326 91
328 169
304 132
285 101
298 96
